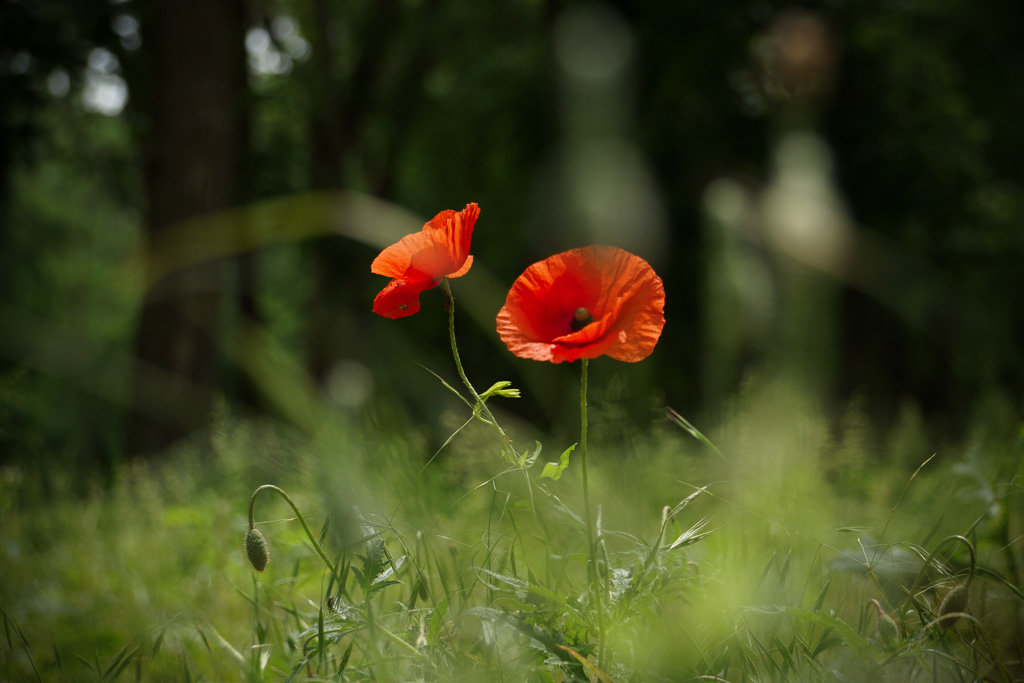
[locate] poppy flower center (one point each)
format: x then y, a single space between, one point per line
580 319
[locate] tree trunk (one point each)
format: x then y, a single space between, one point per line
193 104
341 106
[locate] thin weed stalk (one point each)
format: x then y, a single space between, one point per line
479 404
592 573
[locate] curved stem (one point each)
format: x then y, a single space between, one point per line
595 583
478 404
933 553
931 557
970 550
302 520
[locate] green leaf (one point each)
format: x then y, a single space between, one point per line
554 470
531 457
389 571
502 388
321 641
344 659
503 583
121 660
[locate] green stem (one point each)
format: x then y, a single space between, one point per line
592 574
478 403
302 520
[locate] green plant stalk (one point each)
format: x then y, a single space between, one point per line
302 520
931 557
479 405
254 660
592 573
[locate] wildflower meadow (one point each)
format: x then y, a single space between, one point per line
511 341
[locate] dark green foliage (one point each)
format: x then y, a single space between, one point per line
429 105
433 105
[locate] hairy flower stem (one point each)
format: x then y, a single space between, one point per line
302 520
479 405
592 574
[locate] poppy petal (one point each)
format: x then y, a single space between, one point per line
457 230
401 297
640 321
620 291
512 330
419 260
464 269
547 294
394 261
433 263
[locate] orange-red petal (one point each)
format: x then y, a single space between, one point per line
418 261
622 293
455 230
395 260
401 297
464 269
440 248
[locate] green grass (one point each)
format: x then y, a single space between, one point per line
755 562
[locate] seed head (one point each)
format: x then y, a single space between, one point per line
580 319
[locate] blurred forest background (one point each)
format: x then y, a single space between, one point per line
191 192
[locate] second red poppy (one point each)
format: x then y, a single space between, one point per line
584 303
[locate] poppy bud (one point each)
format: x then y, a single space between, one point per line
955 601
888 630
257 549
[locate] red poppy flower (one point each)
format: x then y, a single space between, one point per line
584 303
418 261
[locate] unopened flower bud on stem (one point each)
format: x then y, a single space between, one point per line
257 549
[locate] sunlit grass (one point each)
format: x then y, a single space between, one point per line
451 572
